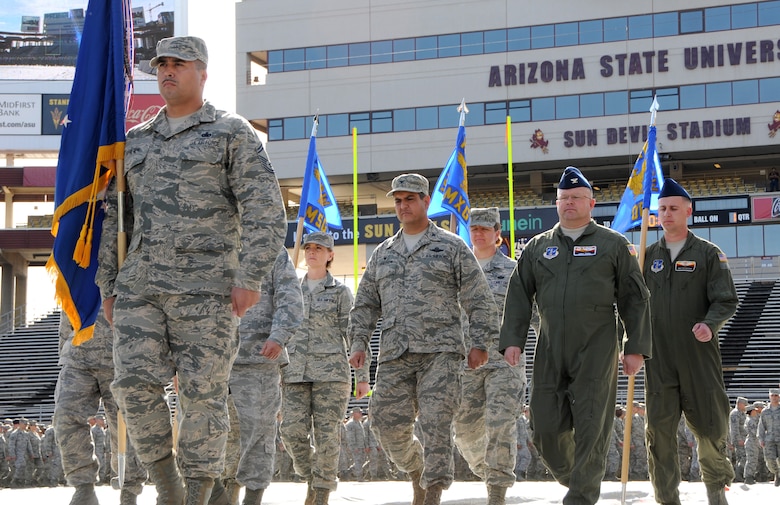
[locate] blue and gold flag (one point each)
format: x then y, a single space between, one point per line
93 138
450 194
319 209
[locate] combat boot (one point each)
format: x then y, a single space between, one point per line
419 492
777 479
496 495
309 495
218 494
167 480
750 480
433 494
84 495
253 497
198 491
716 494
232 489
127 498
321 496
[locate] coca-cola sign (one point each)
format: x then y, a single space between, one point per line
142 108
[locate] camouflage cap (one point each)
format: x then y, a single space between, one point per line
488 217
413 183
319 238
184 48
742 399
759 405
774 391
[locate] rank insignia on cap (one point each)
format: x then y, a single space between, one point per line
657 266
631 249
550 253
684 266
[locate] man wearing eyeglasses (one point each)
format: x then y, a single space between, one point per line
577 272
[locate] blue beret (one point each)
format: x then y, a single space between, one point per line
573 178
672 188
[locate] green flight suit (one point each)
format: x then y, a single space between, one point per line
576 286
686 375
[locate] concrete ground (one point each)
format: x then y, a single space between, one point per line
400 493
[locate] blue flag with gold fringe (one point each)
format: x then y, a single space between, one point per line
93 139
319 209
450 194
643 187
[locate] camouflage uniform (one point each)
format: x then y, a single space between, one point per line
737 437
35 468
84 379
377 459
255 380
99 441
486 422
420 295
283 469
4 470
769 438
316 383
684 448
51 454
523 458
20 451
204 216
345 456
638 455
752 447
357 443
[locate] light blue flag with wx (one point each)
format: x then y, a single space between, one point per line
318 205
644 184
450 194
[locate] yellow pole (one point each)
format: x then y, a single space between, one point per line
355 266
511 187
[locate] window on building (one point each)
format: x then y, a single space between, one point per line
338 125
542 109
427 118
449 45
640 27
425 48
360 53
592 105
745 92
495 113
275 61
567 107
316 57
381 121
472 43
359 120
294 59
566 34
692 21
518 39
403 50
520 111
449 117
382 51
769 89
640 100
476 115
591 32
338 56
717 19
665 24
275 129
768 13
615 103
294 128
668 98
771 240
744 16
692 97
495 41
718 94
750 240
542 36
726 238
615 29
403 120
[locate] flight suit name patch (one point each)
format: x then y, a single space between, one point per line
584 250
684 266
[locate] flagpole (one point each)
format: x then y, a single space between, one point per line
355 263
511 178
299 229
462 122
631 378
121 241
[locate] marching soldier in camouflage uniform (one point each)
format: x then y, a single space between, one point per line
419 282
35 468
638 455
345 456
523 458
692 296
486 423
357 443
4 456
769 434
20 449
316 383
377 459
737 436
255 378
99 441
84 380
51 455
205 222
752 448
613 453
576 273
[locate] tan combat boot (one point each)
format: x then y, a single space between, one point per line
170 486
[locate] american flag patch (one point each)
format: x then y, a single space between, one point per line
631 249
722 257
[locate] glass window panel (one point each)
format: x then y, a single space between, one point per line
338 56
615 103
382 121
717 19
403 120
542 109
495 113
449 117
745 92
718 94
520 111
692 97
615 29
771 240
725 237
275 61
359 120
750 241
293 60
449 45
591 32
665 24
403 50
294 128
476 115
692 21
542 36
427 118
769 90
382 51
338 124
640 27
668 98
640 100
275 129
518 39
471 43
425 48
592 105
768 13
567 107
360 53
308 122
316 57
744 16
495 41
703 233
566 34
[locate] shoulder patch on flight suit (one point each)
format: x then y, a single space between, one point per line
550 252
657 266
584 250
684 266
631 249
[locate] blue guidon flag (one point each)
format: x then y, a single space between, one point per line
319 209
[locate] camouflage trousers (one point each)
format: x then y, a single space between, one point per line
377 464
522 460
257 395
76 397
772 456
752 453
316 408
425 387
194 337
233 444
486 423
